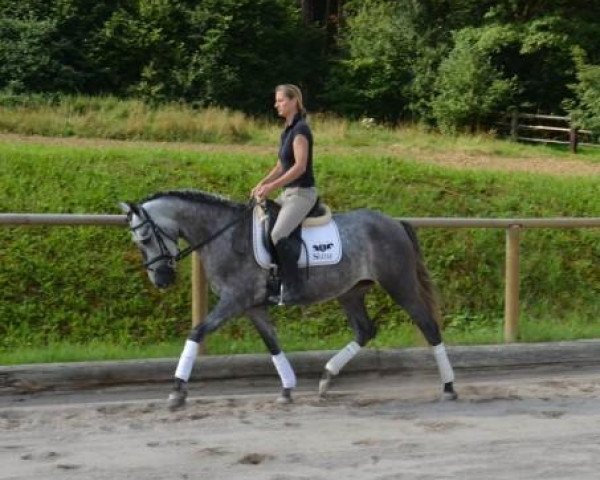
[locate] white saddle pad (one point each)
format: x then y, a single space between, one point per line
322 242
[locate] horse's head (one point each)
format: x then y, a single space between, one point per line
156 237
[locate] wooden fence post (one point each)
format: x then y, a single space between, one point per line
199 295
573 140
514 125
511 299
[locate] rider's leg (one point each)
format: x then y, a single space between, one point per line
295 205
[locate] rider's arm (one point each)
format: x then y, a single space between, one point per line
300 146
275 172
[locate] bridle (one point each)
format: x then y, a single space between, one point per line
160 235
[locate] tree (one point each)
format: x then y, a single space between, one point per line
209 52
237 57
541 57
46 46
372 77
140 45
469 88
26 54
585 107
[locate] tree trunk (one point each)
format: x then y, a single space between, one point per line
308 11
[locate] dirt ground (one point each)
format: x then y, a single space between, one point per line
507 424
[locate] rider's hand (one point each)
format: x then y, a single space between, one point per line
263 191
253 192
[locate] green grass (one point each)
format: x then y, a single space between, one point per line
79 293
93 350
247 341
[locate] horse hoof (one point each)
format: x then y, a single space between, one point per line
448 396
176 400
283 400
286 397
324 386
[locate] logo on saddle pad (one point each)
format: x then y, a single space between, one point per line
323 247
323 244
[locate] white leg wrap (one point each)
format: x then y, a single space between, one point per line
340 359
284 369
441 358
186 361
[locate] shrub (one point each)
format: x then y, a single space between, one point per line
468 88
585 109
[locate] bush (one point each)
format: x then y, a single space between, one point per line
26 61
585 109
373 76
468 88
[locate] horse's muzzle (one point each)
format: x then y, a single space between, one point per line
164 276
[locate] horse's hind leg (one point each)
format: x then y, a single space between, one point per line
364 330
422 311
260 319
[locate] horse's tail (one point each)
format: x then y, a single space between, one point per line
427 290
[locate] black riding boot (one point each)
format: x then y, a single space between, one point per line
291 280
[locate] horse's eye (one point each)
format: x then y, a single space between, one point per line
145 240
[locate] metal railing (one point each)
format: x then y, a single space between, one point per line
513 227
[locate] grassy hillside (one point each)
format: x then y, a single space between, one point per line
85 284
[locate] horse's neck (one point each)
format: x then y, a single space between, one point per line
198 221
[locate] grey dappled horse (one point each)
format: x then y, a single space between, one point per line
376 249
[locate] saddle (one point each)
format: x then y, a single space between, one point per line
320 214
317 242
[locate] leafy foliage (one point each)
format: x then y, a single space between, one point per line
373 76
222 70
585 109
450 64
212 52
454 64
26 62
469 89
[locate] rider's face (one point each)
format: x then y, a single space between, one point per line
285 106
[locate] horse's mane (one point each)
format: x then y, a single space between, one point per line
196 196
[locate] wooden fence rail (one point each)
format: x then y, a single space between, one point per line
559 130
513 227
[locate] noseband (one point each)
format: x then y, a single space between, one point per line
160 234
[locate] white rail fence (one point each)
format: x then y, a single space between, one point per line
512 226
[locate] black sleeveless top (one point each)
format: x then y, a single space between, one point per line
286 151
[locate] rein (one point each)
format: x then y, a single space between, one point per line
185 252
159 233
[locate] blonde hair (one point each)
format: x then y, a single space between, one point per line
293 93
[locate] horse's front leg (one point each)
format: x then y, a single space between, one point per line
223 311
262 323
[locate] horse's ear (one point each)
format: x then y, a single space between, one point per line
125 207
129 208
